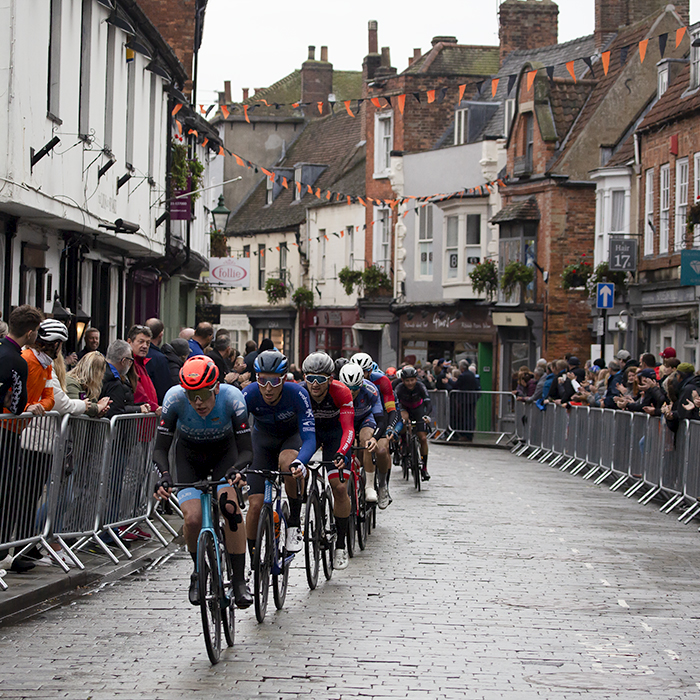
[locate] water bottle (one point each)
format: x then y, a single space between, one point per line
276 518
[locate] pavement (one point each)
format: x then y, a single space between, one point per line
503 578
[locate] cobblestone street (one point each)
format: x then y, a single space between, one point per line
503 578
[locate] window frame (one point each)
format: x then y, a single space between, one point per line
681 211
662 81
471 247
269 197
452 249
461 117
261 266
382 225
246 254
426 224
322 254
622 214
664 207
508 115
694 61
649 212
529 135
350 243
283 260
53 83
383 143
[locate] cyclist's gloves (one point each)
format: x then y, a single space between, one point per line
297 464
165 481
340 456
232 473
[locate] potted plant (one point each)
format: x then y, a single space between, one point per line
692 220
484 278
275 289
183 170
303 298
375 281
218 245
516 274
576 275
350 279
602 273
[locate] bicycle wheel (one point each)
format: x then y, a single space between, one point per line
352 520
329 535
209 594
416 463
362 514
280 580
313 528
227 612
262 563
405 458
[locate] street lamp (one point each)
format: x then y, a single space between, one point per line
59 312
82 320
220 215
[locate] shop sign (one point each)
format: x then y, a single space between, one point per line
444 322
210 313
690 268
229 272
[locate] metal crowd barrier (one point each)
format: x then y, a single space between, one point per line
440 422
76 478
481 413
638 450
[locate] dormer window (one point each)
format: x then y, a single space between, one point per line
298 193
662 85
461 126
269 195
695 60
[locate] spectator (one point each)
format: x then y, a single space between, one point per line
176 352
560 368
296 372
201 338
444 379
3 329
265 344
139 339
91 342
39 356
242 378
652 396
84 382
186 334
463 406
115 384
615 384
157 364
540 376
220 353
688 391
647 361
667 354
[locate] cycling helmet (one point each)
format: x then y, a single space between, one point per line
407 372
340 363
271 362
351 375
375 367
364 360
318 363
199 372
390 371
399 373
52 331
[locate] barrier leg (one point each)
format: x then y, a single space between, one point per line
649 495
106 550
69 552
165 524
672 503
633 489
3 585
622 480
591 472
579 467
686 516
155 531
603 476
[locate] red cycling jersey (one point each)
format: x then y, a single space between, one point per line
336 407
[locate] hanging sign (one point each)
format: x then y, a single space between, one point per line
229 272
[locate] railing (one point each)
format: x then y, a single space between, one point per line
636 450
75 479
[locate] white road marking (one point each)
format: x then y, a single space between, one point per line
672 655
622 603
589 566
648 628
604 582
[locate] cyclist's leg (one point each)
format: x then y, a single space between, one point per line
366 432
383 466
422 432
288 453
264 455
341 499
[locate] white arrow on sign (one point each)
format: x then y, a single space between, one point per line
606 293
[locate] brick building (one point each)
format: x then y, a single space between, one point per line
664 304
562 128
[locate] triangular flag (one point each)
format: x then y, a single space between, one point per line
494 86
179 127
349 200
431 96
295 105
320 107
239 160
462 88
531 78
624 51
375 102
209 109
550 73
388 102
570 68
221 151
205 142
347 108
589 63
245 112
318 193
402 103
643 49
309 189
663 39
328 195
605 58
176 109
511 81
441 96
201 109
224 111
680 33
193 131
285 184
298 184
417 96
361 201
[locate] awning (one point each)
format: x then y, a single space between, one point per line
499 318
523 210
368 326
667 316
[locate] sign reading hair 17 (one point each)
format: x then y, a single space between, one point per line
623 255
229 272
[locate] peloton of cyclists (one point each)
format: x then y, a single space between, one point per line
415 406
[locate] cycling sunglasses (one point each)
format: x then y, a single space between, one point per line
271 381
316 378
355 388
201 394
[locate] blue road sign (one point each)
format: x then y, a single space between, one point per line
606 295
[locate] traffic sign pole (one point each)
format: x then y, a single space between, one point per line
602 337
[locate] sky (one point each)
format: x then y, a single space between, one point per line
255 47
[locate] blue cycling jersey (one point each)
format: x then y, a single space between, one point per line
291 414
229 415
367 401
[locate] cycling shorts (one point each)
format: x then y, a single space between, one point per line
329 440
266 451
416 414
366 422
196 462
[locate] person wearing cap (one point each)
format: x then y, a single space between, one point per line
615 383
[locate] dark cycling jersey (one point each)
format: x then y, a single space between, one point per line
291 415
368 405
334 415
414 399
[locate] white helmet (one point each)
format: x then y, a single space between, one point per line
352 376
364 360
52 331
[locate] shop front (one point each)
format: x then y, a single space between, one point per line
330 330
276 324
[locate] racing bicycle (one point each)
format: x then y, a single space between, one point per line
319 524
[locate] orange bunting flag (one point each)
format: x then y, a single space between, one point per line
325 235
361 201
347 108
328 194
205 142
193 131
295 105
402 102
202 110
320 107
265 102
349 200
605 58
179 127
342 234
285 184
298 187
318 193
531 78
221 151
176 109
680 33
643 49
309 189
239 160
494 86
224 111
277 247
431 96
267 172
570 68
462 88
245 112
375 102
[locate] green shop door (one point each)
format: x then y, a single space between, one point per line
484 408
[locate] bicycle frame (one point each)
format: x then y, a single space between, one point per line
273 497
208 526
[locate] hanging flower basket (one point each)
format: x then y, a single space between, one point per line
576 275
376 281
350 279
602 273
691 220
484 278
516 274
276 290
303 298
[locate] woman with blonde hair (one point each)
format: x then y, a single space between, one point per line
84 382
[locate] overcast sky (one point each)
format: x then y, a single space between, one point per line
255 45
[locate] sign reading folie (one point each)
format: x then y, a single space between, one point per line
229 272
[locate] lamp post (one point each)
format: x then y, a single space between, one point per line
220 215
82 321
60 313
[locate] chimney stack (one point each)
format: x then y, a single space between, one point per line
386 57
245 93
324 54
312 53
227 91
372 60
373 37
316 79
528 24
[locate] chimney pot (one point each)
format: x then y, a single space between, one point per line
312 53
444 40
227 91
324 54
386 57
245 93
417 53
373 36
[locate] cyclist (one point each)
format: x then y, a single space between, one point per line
370 421
381 381
331 402
211 421
284 438
416 406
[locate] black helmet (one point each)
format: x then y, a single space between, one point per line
318 363
408 371
271 362
340 363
